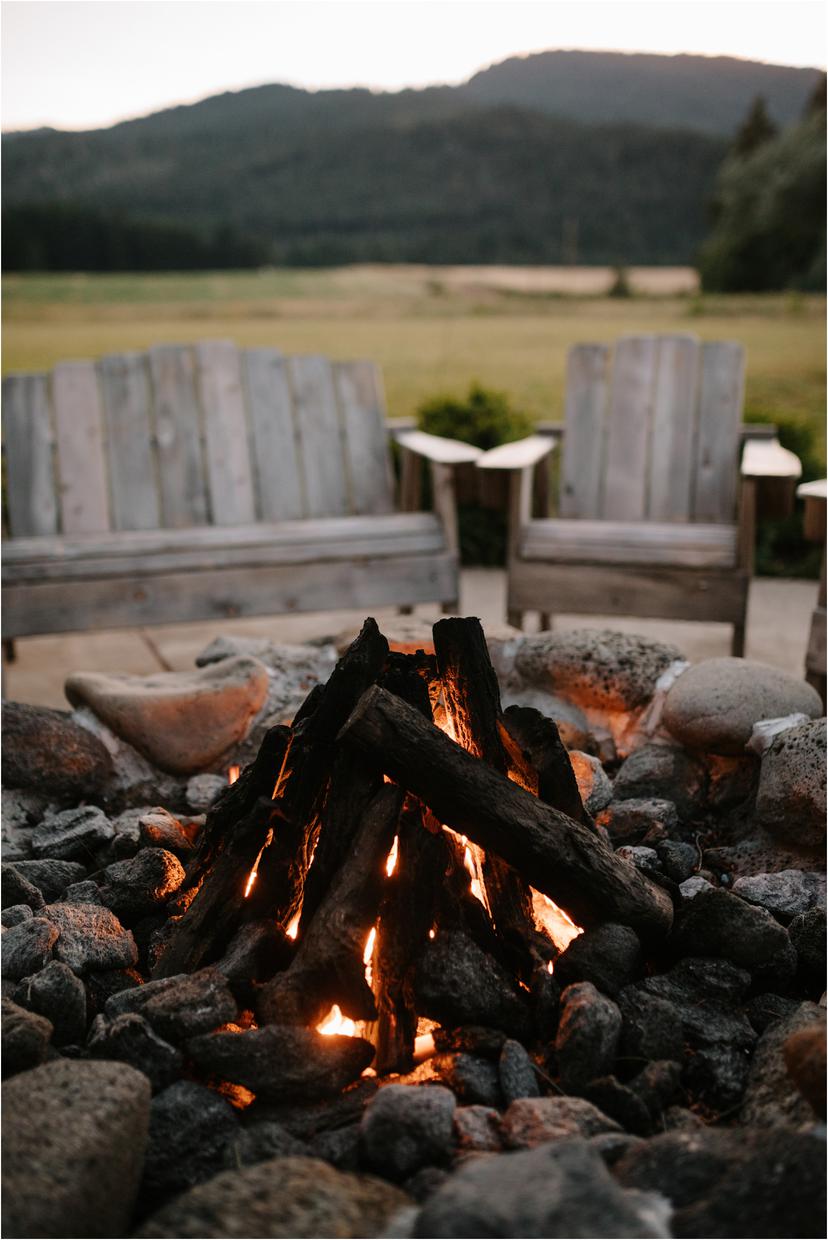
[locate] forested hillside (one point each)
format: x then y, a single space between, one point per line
444 175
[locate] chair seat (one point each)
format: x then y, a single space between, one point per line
136 553
685 545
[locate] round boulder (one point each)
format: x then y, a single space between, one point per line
791 802
714 705
45 749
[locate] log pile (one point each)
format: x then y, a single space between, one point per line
402 805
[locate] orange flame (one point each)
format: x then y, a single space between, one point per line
391 861
233 773
292 928
558 925
335 1022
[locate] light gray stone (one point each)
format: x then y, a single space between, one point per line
692 886
284 1197
82 1181
202 791
714 705
785 894
791 801
181 721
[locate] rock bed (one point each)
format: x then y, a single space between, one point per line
676 1091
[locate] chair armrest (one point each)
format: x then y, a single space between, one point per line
521 454
438 450
766 458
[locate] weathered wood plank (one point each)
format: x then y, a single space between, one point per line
439 450
628 429
720 409
517 455
82 478
181 473
225 431
675 408
634 542
766 458
124 383
320 434
587 395
28 442
166 598
273 435
362 408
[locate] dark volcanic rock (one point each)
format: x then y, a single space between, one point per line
734 1182
534 1121
161 829
72 834
763 1010
281 1198
258 1142
650 1028
131 1040
45 749
102 986
406 1127
190 1128
458 984
678 860
14 914
142 883
517 1073
807 933
52 877
307 1120
632 819
17 889
339 1147
87 892
657 1086
477 1129
74 1140
56 993
471 1079
790 802
609 956
588 1034
772 1099
620 1103
717 923
181 1007
27 947
283 1061
256 951
25 1038
91 938
785 894
562 1189
664 772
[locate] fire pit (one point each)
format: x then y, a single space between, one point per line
416 937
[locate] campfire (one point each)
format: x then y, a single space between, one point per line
403 841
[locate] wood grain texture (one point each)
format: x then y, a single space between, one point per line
229 474
182 480
587 398
675 407
362 409
274 437
630 542
720 409
82 474
320 435
28 445
628 429
127 404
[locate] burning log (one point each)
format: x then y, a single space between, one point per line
328 966
538 740
564 858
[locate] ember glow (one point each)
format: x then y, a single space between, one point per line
292 928
558 925
233 773
391 862
367 955
335 1022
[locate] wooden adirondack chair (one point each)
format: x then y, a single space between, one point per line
656 517
188 483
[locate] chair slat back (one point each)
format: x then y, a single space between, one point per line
652 433
193 435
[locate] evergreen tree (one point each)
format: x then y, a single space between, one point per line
755 130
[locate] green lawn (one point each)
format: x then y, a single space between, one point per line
431 329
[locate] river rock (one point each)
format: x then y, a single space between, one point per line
74 1140
91 938
406 1127
791 801
72 834
46 750
190 1129
181 721
562 1189
714 705
529 1122
56 993
283 1061
27 946
785 894
771 1098
285 1197
588 1034
25 1038
804 1055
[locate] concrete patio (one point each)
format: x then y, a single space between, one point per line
779 617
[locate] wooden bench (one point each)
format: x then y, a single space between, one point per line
200 482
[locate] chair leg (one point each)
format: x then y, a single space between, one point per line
405 609
9 650
515 618
546 621
451 608
737 646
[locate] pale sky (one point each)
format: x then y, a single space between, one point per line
81 64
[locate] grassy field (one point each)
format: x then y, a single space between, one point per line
431 329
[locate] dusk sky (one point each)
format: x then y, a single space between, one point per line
82 65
